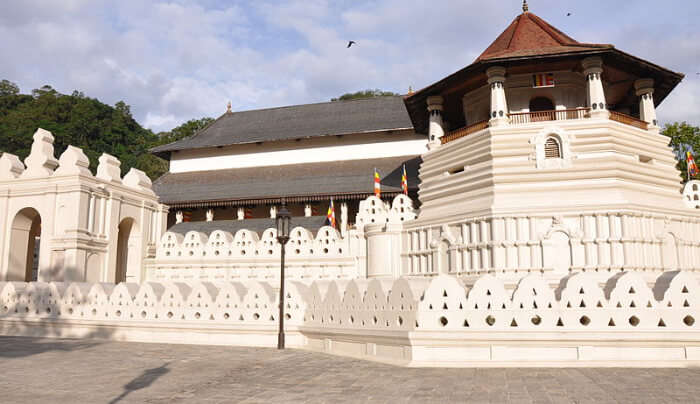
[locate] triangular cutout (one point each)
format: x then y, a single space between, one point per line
444 293
583 304
560 323
476 306
488 307
619 305
503 306
580 292
685 303
568 305
444 306
649 304
685 289
534 292
513 323
632 304
466 323
534 305
430 306
460 305
669 304
632 290
488 292
549 305
661 323
611 323
599 304
521 306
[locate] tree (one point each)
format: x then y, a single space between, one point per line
8 88
187 129
683 138
364 94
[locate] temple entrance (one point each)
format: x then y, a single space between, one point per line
128 252
24 246
538 104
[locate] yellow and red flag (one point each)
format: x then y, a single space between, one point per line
543 80
187 216
331 215
404 181
377 185
692 167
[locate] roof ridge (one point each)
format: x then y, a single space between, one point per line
553 31
317 103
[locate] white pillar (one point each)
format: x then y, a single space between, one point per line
593 69
647 111
273 212
210 215
499 105
240 214
179 216
307 210
344 219
436 129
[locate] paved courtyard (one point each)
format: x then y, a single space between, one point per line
79 371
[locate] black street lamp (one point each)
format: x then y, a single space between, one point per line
282 221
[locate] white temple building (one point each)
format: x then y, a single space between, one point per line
549 227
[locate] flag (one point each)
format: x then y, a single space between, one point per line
377 185
404 181
692 167
187 216
331 215
248 213
543 80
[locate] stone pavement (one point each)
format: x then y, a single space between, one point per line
80 371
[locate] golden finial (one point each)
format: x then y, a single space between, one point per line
525 7
410 90
228 107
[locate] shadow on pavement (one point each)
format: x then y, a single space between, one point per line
142 381
17 347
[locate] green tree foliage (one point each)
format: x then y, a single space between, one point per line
76 120
364 94
187 129
684 138
8 88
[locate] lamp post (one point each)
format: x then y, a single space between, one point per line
282 221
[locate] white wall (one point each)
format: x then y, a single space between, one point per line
330 148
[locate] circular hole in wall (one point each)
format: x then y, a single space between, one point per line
443 321
634 321
143 314
490 320
256 316
584 320
688 320
118 313
536 320
197 315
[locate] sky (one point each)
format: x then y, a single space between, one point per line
178 60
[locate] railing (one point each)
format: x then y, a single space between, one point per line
461 132
554 115
628 120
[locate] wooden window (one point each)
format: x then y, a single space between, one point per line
552 150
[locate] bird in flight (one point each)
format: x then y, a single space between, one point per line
351 43
568 14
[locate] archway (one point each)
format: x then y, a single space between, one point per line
24 246
669 252
128 252
538 104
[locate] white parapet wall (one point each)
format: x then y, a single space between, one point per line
420 321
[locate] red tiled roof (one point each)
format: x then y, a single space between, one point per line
529 35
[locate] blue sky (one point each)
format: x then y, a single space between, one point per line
177 60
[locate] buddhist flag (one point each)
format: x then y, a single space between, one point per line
692 167
248 213
377 185
543 80
331 215
404 181
187 216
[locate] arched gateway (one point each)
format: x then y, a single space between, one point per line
24 246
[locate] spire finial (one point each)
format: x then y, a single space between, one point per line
410 90
228 107
525 7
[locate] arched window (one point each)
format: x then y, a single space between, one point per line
552 148
541 104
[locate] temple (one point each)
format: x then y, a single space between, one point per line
545 223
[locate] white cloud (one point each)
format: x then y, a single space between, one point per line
174 60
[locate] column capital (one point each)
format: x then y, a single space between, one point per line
593 64
435 103
496 74
644 86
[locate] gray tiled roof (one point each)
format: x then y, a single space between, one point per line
303 180
312 223
296 122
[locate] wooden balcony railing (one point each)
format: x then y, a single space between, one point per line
628 120
461 132
555 115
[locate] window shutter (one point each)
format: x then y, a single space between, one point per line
551 149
